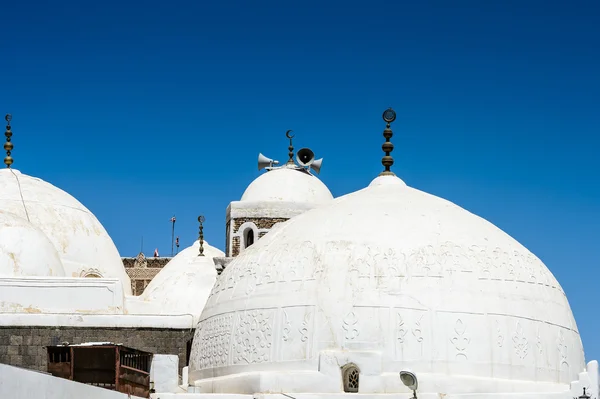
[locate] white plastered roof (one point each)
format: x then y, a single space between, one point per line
286 184
81 241
183 284
25 250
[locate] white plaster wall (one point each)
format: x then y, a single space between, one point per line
164 373
273 209
81 241
60 295
17 383
96 320
407 278
285 395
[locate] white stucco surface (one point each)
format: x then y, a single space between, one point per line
96 320
388 278
38 295
25 250
182 286
82 243
288 185
164 373
17 383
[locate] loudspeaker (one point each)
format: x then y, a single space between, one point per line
305 157
264 162
316 165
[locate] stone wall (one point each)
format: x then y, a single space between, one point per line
261 224
25 346
142 270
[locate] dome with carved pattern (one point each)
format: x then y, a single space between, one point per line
82 243
388 278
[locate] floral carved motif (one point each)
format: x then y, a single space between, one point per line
460 339
212 342
373 267
350 326
253 336
302 330
401 329
520 342
499 335
562 348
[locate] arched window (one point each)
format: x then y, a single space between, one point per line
249 239
350 377
91 273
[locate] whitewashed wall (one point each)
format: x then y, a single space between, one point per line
61 295
17 383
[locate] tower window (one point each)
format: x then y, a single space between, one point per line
350 376
249 237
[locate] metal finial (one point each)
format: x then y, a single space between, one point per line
8 146
201 219
389 115
291 147
585 395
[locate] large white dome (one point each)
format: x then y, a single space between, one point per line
183 285
287 184
388 278
25 250
83 245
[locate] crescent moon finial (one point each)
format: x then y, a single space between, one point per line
291 147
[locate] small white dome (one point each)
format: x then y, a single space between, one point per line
287 184
183 284
386 179
25 250
84 246
389 278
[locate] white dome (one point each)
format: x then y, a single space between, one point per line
287 185
25 250
183 284
82 243
391 279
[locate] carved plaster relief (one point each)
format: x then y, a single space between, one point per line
460 340
520 342
373 268
211 344
351 326
296 332
411 331
253 336
444 333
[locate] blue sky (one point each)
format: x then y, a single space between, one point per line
145 110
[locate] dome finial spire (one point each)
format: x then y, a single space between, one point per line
201 220
389 115
8 146
291 147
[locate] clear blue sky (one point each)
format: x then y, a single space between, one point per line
144 110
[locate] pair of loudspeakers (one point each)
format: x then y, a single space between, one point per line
305 157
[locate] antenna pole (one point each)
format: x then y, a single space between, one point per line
172 234
142 245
